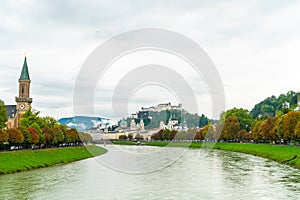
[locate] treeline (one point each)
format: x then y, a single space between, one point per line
130 137
40 132
238 125
280 129
208 133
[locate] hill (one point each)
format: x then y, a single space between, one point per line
272 105
154 118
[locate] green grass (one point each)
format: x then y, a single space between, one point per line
124 143
16 161
282 154
169 144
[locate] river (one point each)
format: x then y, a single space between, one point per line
219 175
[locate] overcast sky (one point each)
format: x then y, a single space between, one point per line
255 45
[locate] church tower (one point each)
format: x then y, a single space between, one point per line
23 100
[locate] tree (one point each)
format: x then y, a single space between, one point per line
30 118
42 138
27 136
86 138
48 133
257 133
172 135
130 136
290 121
168 134
200 134
243 135
203 120
3 136
35 138
231 128
3 115
279 113
63 129
268 110
180 135
47 121
139 137
208 132
155 136
58 135
191 133
277 129
267 128
76 135
15 137
165 134
72 136
244 117
122 137
297 131
218 130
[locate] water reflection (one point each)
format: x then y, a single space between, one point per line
221 175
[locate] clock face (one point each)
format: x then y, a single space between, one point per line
22 106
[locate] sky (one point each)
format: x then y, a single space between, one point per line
254 45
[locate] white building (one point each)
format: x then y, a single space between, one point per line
162 107
137 126
173 124
286 105
134 115
100 135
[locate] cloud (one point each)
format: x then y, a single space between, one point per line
253 43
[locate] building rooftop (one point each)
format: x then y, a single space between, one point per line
123 122
11 110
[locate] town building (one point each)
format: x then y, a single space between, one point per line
134 115
137 126
14 112
123 124
173 124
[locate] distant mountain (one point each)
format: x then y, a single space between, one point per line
82 123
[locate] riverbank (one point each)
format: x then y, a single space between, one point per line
16 161
284 154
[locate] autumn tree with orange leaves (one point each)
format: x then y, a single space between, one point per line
15 137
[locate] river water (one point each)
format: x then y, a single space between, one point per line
220 175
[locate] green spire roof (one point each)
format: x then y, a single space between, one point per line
25 72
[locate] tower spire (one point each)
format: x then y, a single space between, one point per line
25 72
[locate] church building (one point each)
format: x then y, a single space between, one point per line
23 101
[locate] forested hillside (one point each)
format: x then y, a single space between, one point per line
276 105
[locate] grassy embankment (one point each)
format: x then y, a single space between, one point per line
283 154
16 161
